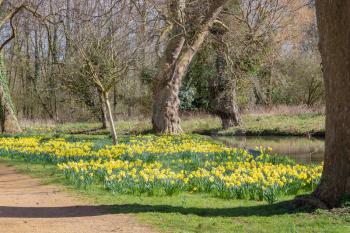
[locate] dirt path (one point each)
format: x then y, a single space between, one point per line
26 206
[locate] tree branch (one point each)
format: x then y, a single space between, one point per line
12 14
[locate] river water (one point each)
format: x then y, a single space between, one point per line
301 149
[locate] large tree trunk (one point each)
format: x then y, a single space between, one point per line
8 119
166 101
226 108
174 64
334 29
223 95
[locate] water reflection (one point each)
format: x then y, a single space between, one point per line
303 150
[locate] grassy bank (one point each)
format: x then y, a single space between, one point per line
279 125
198 213
252 125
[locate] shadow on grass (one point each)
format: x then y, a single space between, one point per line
244 211
82 211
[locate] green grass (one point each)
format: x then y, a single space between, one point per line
279 125
123 127
198 213
252 125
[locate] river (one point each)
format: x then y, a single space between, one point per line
301 149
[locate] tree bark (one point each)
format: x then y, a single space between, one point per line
103 116
9 123
8 119
174 64
334 30
166 101
110 117
223 99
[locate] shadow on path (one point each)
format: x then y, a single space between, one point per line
83 211
52 212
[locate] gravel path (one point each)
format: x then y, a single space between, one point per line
26 206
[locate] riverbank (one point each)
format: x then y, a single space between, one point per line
309 125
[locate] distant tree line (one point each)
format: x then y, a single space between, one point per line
103 59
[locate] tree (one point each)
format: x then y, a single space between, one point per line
223 94
188 32
97 62
334 31
100 67
223 99
8 119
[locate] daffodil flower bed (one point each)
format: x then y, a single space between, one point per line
168 165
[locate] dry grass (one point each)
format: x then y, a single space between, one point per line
36 123
285 110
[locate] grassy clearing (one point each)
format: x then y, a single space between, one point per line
252 125
198 213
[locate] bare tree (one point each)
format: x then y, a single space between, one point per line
223 100
188 32
9 122
101 59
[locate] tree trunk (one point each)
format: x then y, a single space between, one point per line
334 29
9 123
110 117
8 119
103 117
174 64
166 101
223 95
228 109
